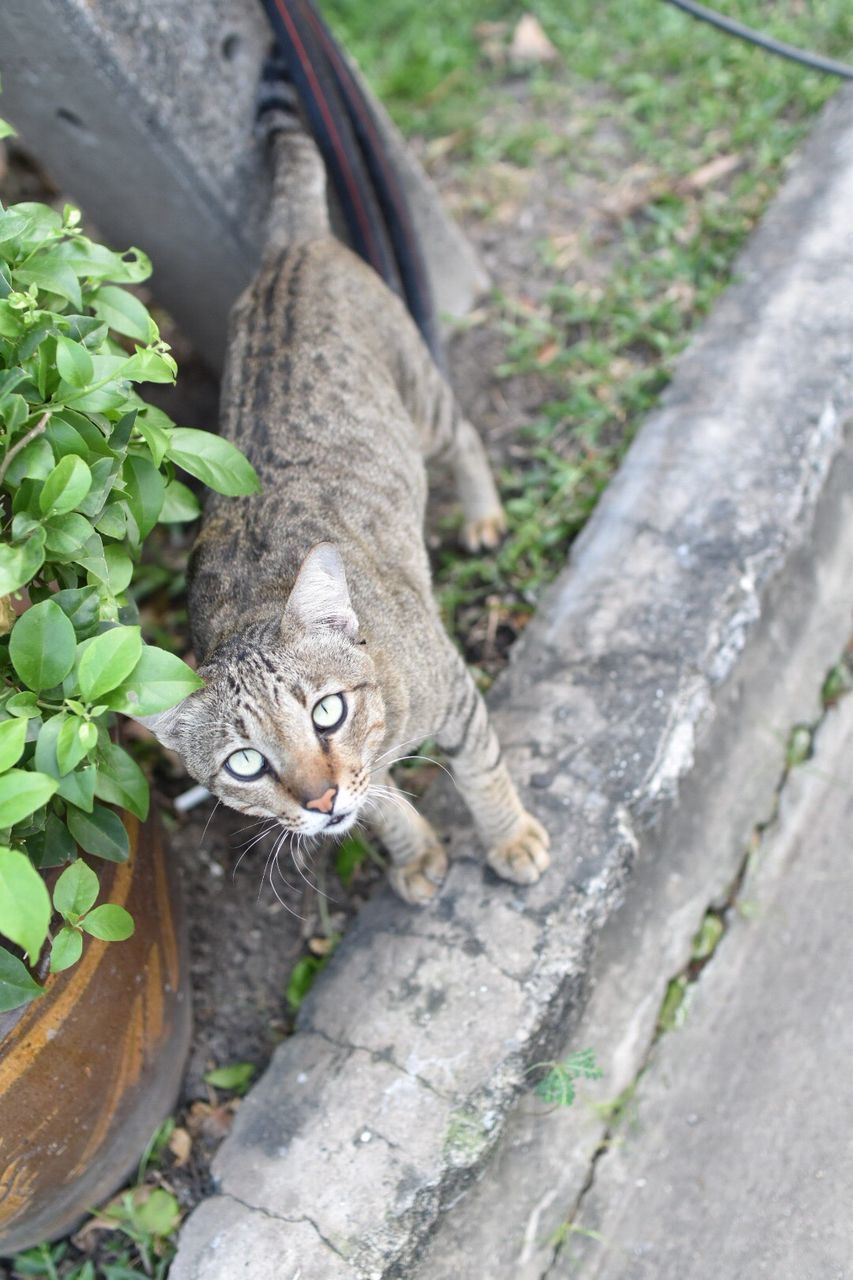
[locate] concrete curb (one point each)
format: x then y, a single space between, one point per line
144 113
645 711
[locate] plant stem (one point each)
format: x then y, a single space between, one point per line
22 443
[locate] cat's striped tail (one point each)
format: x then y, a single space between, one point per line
367 186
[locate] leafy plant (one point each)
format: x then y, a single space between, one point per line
87 469
557 1085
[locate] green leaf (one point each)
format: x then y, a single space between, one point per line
120 781
146 490
109 923
20 564
119 568
23 791
124 313
74 740
180 504
158 681
35 461
557 1086
80 606
13 735
302 979
49 272
97 262
43 646
159 1215
107 660
74 362
23 704
67 533
76 889
53 846
156 428
78 787
100 832
66 950
66 486
112 522
148 365
235 1077
16 985
215 461
349 856
24 903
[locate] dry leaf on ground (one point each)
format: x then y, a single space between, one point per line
530 43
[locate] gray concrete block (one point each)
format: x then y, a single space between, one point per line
144 114
738 1160
644 713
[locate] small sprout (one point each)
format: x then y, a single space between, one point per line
673 1011
799 745
710 932
557 1086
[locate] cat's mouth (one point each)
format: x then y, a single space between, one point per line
340 820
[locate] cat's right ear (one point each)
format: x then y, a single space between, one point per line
320 595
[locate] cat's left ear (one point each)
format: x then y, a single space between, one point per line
166 725
320 596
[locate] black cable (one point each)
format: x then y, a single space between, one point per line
816 61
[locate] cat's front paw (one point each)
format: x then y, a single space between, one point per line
419 880
485 533
524 855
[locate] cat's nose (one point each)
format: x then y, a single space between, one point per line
324 803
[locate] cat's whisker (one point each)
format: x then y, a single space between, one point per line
391 797
276 866
394 790
406 742
264 874
207 824
298 854
250 844
250 826
429 760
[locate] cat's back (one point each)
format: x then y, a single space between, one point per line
315 395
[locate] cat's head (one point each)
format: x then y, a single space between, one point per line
290 718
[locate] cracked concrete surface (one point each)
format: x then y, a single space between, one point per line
644 713
737 1157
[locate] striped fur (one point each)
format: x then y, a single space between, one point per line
331 392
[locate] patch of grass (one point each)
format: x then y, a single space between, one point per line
643 90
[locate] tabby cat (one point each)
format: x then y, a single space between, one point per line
312 615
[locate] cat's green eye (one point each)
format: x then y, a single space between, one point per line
330 712
246 764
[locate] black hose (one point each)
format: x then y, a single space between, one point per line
816 61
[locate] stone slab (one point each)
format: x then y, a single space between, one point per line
738 1160
144 114
644 713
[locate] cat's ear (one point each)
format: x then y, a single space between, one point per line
320 596
165 725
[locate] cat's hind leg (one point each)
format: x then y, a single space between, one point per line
449 437
418 859
484 522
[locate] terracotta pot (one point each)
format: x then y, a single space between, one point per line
89 1070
